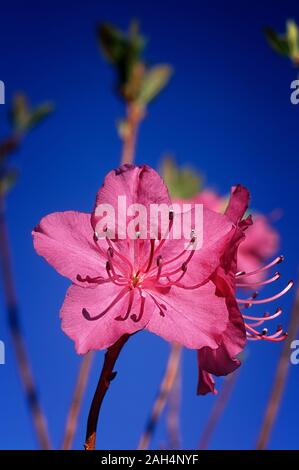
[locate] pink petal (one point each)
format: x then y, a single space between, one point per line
193 319
139 184
223 361
65 240
238 203
206 383
102 333
217 232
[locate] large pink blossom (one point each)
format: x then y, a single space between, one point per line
241 326
123 286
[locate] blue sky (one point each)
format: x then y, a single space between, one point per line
227 112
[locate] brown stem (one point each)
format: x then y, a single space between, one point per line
80 387
217 410
165 388
173 415
135 115
13 319
107 375
280 378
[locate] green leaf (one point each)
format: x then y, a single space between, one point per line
279 43
154 80
23 117
182 183
123 50
8 181
293 37
39 113
112 41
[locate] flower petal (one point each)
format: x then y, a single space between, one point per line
65 240
206 383
194 320
138 184
238 203
91 334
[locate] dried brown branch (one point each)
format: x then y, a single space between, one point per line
76 404
280 379
165 388
13 319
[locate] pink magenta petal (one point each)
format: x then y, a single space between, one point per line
65 240
102 333
206 383
238 203
138 184
192 319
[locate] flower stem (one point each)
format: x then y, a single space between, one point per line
166 386
107 375
14 325
72 418
135 115
280 378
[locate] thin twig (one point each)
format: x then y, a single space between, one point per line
217 410
165 388
107 375
280 378
134 116
75 407
24 366
173 415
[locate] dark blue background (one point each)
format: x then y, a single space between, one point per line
227 111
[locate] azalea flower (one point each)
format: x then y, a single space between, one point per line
121 286
241 326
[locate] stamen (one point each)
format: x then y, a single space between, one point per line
113 277
161 307
134 316
130 303
266 317
276 276
87 315
122 257
91 280
277 260
151 256
269 299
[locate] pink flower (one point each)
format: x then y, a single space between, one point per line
223 360
261 242
121 286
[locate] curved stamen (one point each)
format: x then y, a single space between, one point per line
160 306
134 317
265 317
92 280
122 257
151 256
276 276
87 315
182 267
110 253
114 278
163 240
130 303
269 299
277 260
